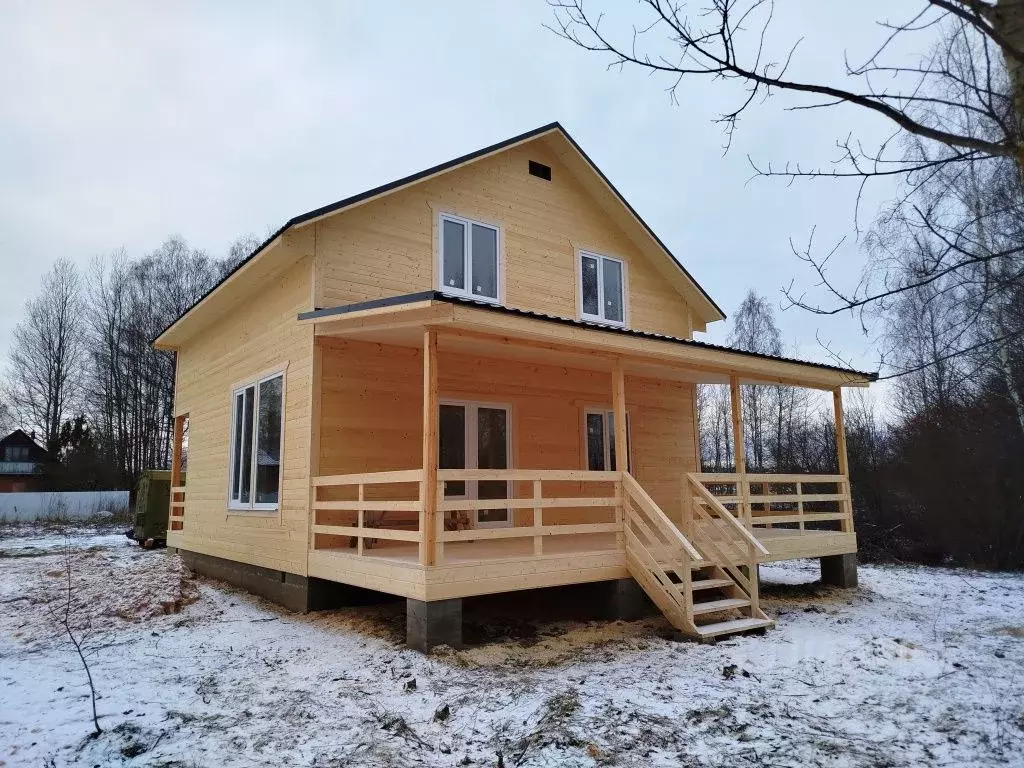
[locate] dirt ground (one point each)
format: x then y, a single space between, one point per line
916 667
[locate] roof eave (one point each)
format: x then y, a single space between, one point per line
826 376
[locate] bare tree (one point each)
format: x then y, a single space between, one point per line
6 416
786 429
714 420
66 612
131 385
945 278
957 113
731 41
755 330
47 356
242 248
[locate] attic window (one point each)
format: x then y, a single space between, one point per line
540 170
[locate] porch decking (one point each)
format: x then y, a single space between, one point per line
781 543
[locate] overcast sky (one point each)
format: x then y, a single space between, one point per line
123 123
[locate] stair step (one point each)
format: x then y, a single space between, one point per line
734 626
711 584
714 606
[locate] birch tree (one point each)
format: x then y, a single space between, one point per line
755 330
47 357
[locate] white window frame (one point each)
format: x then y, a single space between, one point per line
467 258
600 318
252 506
470 438
607 415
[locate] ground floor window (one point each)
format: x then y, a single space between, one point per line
256 432
599 426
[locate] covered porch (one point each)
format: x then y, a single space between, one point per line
461 450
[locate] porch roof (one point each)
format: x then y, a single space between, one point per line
400 319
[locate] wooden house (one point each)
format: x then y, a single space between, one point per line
23 463
474 380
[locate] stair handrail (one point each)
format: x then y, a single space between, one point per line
636 491
741 530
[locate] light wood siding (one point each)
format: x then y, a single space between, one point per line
255 336
388 247
371 407
371 417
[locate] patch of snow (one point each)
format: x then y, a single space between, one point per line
917 667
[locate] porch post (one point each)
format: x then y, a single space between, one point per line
621 447
315 397
846 525
739 447
177 437
619 406
428 487
179 429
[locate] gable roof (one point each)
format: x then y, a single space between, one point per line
708 313
21 438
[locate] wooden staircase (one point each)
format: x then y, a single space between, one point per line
699 583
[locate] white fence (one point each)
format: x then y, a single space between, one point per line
63 505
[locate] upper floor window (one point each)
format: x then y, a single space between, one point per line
469 258
256 421
602 296
16 453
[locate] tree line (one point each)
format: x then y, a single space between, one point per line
82 374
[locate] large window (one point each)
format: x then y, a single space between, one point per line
602 292
600 440
256 426
469 258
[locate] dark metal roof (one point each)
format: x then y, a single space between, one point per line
390 186
20 437
411 298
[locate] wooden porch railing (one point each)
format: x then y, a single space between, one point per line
361 511
380 510
357 511
176 519
659 556
531 490
724 539
782 498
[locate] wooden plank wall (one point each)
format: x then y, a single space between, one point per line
388 247
256 335
371 414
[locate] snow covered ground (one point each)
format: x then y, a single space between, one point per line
917 667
